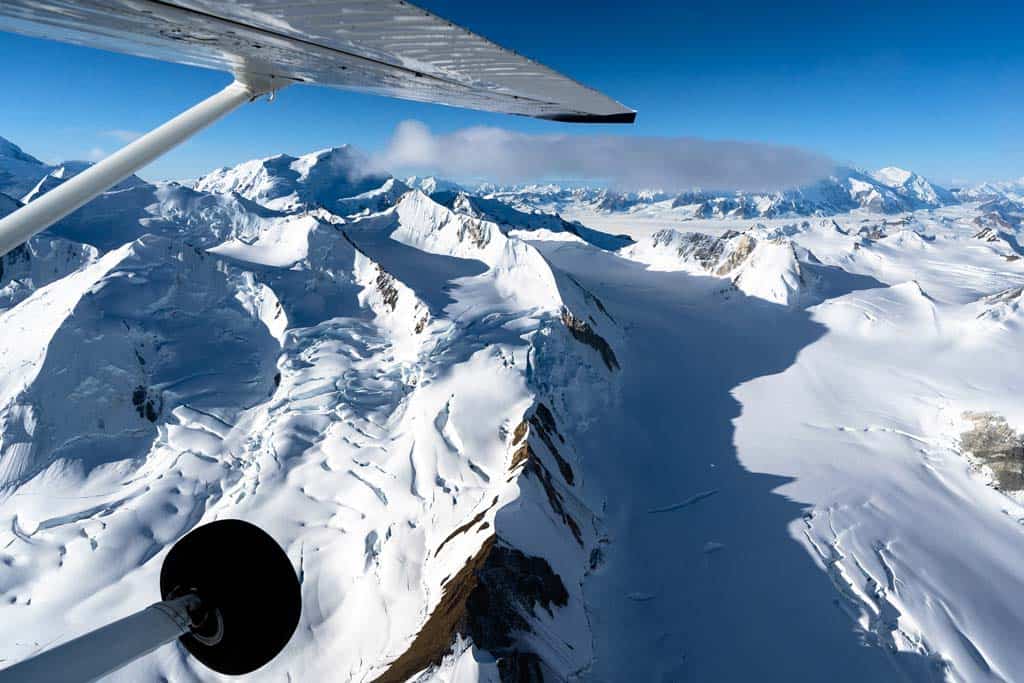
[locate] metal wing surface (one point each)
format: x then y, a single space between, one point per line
386 47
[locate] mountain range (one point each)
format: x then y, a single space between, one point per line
778 439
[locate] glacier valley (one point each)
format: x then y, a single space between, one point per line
531 433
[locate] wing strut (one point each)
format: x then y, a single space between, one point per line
43 212
230 597
105 650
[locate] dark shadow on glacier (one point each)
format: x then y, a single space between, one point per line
113 219
420 270
137 345
720 589
833 281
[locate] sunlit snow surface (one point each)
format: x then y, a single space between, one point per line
753 471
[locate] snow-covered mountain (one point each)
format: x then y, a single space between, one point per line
890 190
913 187
501 445
758 264
1012 190
382 392
432 184
319 179
535 221
23 177
19 171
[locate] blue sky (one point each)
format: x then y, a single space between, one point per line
937 87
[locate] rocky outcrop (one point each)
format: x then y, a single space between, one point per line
994 445
760 262
494 600
584 333
434 640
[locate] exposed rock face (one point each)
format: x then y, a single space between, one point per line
494 600
509 218
147 403
761 262
583 332
873 232
386 286
995 445
490 601
987 234
543 423
1006 296
435 638
743 247
510 587
36 263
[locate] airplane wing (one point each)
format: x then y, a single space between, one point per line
386 47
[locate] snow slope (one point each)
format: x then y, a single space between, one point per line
19 171
768 435
500 445
381 394
284 182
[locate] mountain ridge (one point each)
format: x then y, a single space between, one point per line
498 444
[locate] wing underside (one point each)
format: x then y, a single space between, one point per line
386 47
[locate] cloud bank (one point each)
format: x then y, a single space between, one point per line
629 163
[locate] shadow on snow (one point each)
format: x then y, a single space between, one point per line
716 589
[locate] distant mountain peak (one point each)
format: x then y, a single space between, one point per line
893 176
12 151
287 183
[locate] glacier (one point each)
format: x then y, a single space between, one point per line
523 433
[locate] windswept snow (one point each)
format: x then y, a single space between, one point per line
501 445
380 391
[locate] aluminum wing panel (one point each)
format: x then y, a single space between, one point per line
387 47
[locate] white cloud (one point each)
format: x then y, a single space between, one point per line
681 163
95 154
121 135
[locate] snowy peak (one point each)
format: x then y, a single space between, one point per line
510 218
258 179
433 227
335 172
892 176
428 225
51 180
913 186
288 183
69 169
758 262
513 266
771 270
19 171
1005 193
10 151
430 184
891 191
371 201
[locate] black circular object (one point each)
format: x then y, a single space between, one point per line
240 572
